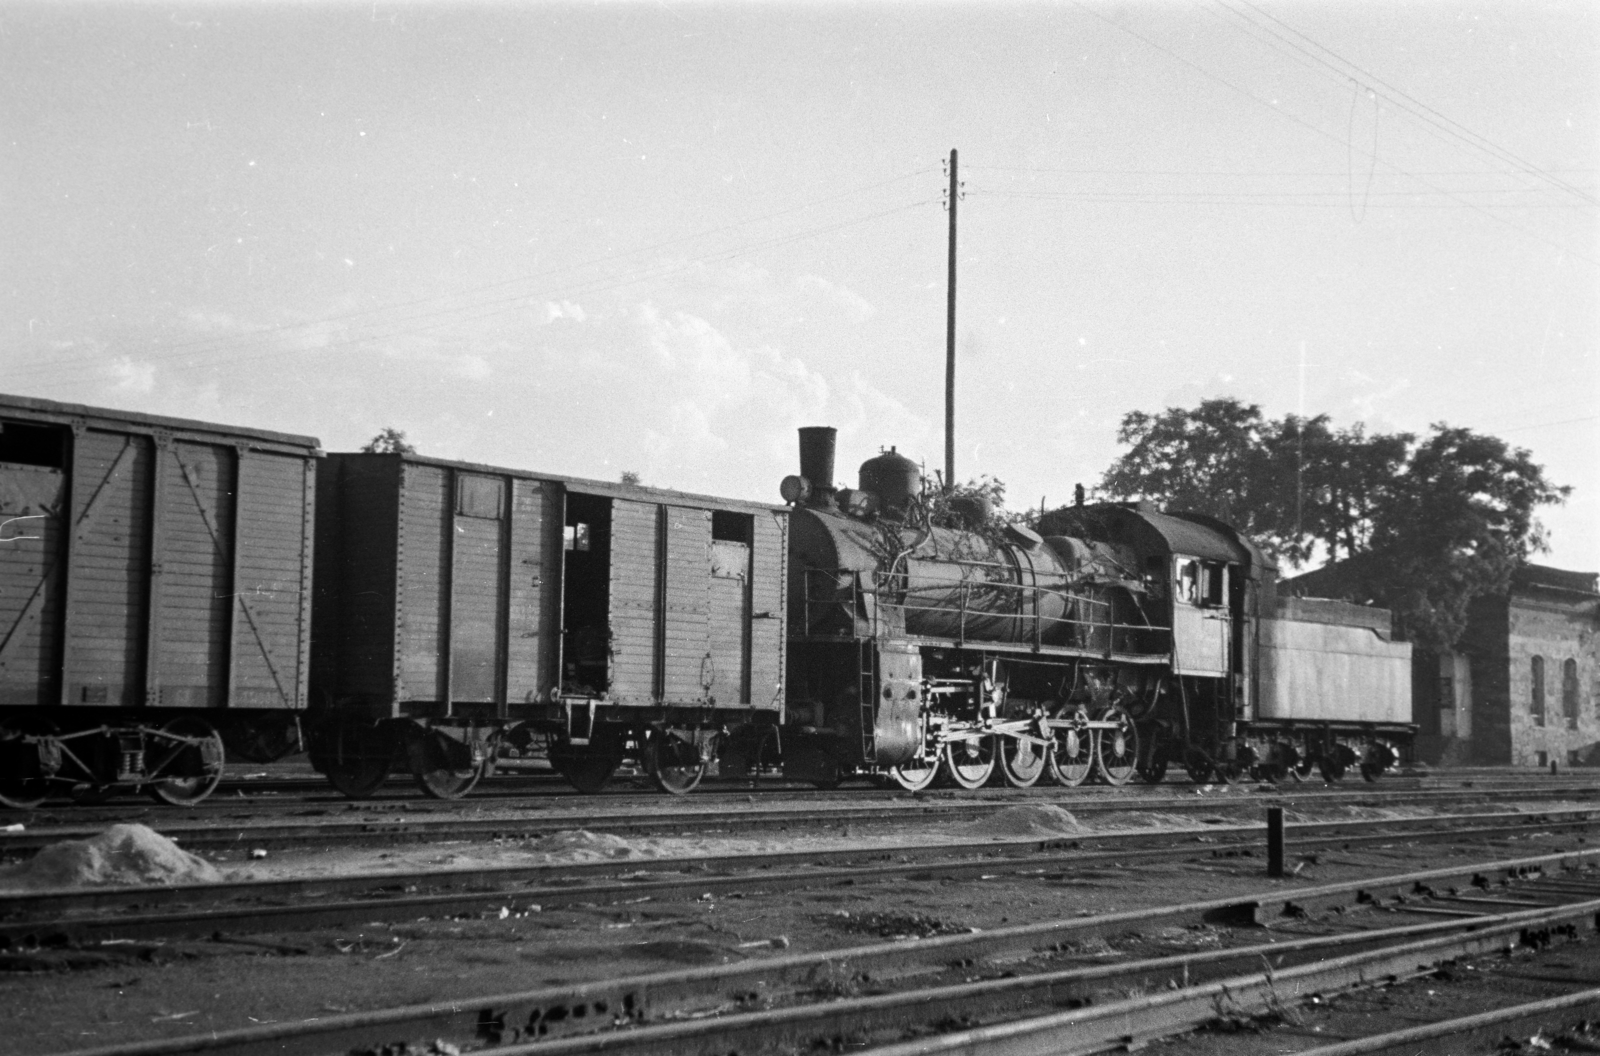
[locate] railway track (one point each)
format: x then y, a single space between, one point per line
295 790
376 826
79 916
1248 957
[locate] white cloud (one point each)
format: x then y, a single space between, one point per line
131 377
855 305
563 310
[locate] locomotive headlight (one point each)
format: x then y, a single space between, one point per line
795 489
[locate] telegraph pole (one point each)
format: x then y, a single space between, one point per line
950 340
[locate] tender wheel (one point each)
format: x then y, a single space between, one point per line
969 763
1071 755
1022 762
1197 765
1303 769
916 775
674 764
1227 773
358 760
1116 752
1378 758
187 760
586 771
1268 773
444 774
1332 770
1154 772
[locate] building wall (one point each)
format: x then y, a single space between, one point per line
1557 631
1442 700
1484 646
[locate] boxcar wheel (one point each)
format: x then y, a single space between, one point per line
674 764
1071 755
1116 752
193 757
969 764
587 772
1022 762
22 793
437 777
359 762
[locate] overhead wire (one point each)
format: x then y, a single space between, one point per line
1295 118
1428 115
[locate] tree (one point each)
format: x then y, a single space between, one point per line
1456 524
1420 527
389 441
631 477
1209 460
1322 485
980 502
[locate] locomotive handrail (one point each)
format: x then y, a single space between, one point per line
847 593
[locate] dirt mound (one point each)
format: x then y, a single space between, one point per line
582 845
1028 819
123 854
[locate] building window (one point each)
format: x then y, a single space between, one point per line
1536 703
1569 692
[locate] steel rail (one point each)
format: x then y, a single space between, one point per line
26 930
551 1012
391 830
1131 1023
1486 1028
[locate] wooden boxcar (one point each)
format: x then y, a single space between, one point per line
154 592
464 609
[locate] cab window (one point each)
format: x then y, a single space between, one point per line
1186 580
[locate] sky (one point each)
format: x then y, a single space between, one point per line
659 237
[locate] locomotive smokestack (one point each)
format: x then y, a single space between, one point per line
816 457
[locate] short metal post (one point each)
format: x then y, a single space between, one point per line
1274 841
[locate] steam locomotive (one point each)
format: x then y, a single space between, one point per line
174 592
1116 640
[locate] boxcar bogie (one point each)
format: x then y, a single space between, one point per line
154 599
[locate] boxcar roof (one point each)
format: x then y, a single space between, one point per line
596 487
65 413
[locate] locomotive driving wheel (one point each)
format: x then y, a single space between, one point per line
969 763
1116 751
674 763
915 774
187 761
1022 762
1071 755
441 771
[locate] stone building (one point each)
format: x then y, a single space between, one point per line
1522 687
1523 684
